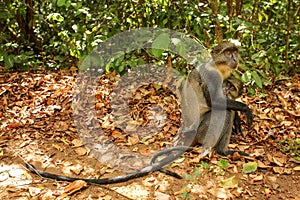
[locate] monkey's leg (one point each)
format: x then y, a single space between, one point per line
201 126
222 146
212 128
212 133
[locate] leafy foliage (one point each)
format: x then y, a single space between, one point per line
56 34
291 146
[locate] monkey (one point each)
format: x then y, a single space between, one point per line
198 94
216 71
208 93
224 60
233 88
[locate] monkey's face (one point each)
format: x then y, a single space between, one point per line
226 54
231 55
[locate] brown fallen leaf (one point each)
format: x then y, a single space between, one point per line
282 170
283 101
77 143
294 160
33 191
258 152
296 168
65 141
235 169
268 192
270 158
74 187
262 165
279 161
58 147
76 169
258 178
14 125
221 193
116 133
81 151
161 196
132 140
237 192
4 176
236 156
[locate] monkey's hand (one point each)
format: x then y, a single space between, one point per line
237 106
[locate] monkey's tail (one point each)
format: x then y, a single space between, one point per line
117 179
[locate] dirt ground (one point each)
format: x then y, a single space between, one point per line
36 126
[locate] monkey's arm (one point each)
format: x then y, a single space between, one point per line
212 88
237 123
230 104
219 101
239 106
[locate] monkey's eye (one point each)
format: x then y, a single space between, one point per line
228 52
235 52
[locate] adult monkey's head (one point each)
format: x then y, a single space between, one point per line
226 57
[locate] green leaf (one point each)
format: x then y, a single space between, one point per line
257 79
160 44
229 182
61 3
165 21
246 77
55 17
251 91
92 61
188 177
218 171
157 87
180 47
121 68
205 165
140 62
197 172
260 17
119 60
249 167
223 163
9 61
297 158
